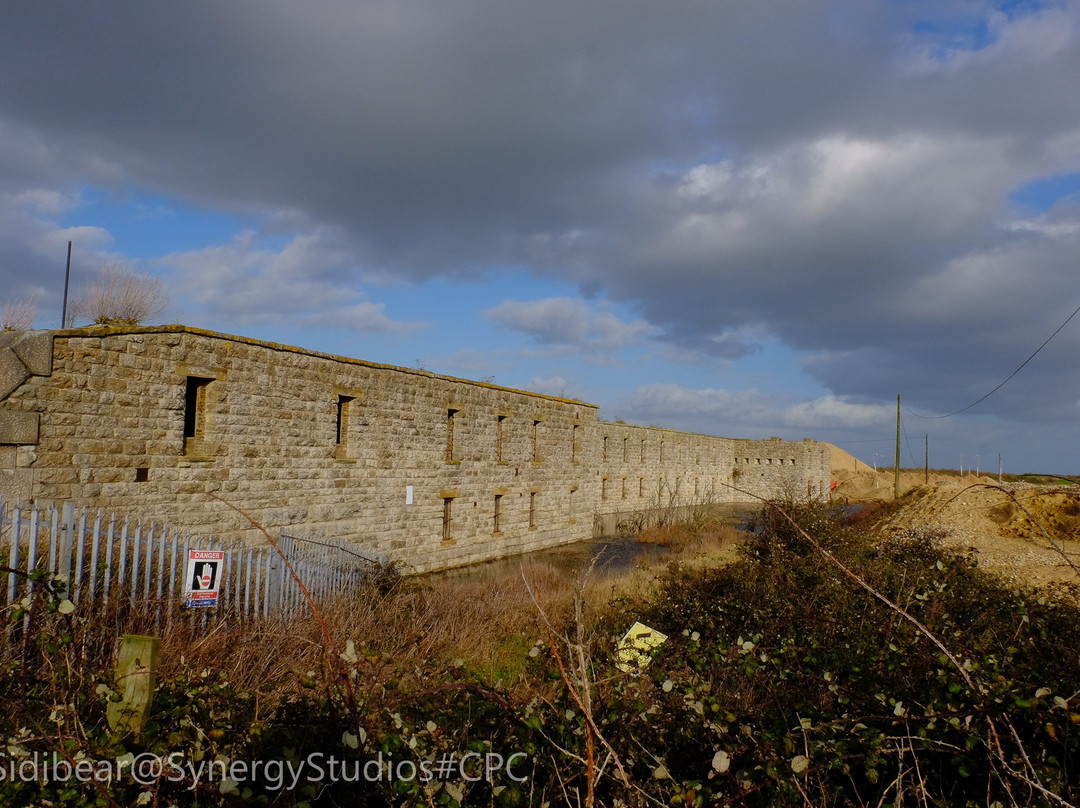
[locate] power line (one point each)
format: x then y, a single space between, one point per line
844 443
1009 378
907 442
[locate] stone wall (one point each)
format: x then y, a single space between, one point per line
172 423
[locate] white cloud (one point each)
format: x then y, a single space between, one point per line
364 317
557 386
665 401
1043 228
570 325
834 411
1035 37
244 282
749 409
33 249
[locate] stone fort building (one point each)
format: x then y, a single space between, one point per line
165 422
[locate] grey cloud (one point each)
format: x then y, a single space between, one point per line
813 171
439 136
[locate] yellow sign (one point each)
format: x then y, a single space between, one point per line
634 648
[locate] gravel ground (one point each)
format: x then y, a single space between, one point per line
1026 533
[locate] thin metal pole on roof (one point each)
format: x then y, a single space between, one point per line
67 282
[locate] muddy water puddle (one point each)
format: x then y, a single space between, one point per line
613 555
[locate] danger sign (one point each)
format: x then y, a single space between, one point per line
203 580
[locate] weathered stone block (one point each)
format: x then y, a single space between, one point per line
18 428
14 485
35 350
12 373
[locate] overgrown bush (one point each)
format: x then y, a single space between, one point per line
790 681
825 668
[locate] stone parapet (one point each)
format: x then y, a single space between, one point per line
23 354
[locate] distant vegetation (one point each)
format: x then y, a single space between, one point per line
1033 478
1042 479
121 296
17 315
825 667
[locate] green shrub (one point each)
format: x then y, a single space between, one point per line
826 667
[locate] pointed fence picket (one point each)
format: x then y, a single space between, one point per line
142 566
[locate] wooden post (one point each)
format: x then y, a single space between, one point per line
136 678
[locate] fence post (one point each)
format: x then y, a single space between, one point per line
67 534
13 557
149 562
95 549
267 584
136 675
54 540
31 560
135 554
108 558
76 582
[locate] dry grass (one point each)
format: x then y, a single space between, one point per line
711 541
485 623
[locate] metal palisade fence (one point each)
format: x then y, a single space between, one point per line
143 566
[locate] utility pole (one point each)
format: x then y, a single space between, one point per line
896 468
999 468
926 462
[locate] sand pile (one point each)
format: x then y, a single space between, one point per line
1012 527
858 482
1020 531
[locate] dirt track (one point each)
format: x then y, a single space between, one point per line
1012 527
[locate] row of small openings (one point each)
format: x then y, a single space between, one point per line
605 456
641 487
497 514
195 423
500 438
195 414
195 428
783 461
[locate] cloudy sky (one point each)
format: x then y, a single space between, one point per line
741 218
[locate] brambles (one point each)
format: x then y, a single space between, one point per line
805 673
812 685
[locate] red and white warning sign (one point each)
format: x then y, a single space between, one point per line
202 583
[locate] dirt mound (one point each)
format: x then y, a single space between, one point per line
1018 530
1013 528
857 482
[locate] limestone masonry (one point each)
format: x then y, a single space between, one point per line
160 422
